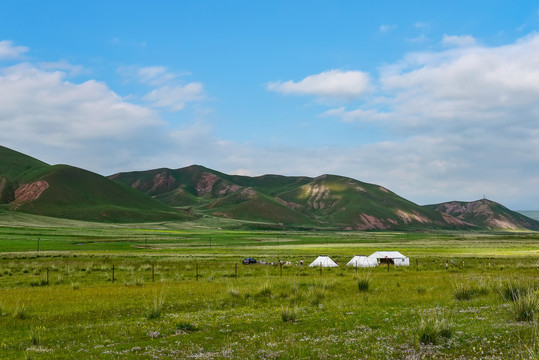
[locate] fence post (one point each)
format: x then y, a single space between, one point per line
416 264
47 276
446 264
153 273
281 265
112 273
196 266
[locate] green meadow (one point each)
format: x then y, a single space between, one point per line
71 289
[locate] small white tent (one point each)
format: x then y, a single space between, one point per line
362 261
391 257
323 261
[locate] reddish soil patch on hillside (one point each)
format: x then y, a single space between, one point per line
370 223
205 184
30 192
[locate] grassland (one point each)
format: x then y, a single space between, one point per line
178 291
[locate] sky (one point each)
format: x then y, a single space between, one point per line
436 101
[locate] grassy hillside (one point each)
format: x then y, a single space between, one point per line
325 201
67 192
487 214
16 167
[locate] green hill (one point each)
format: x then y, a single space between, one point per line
327 201
487 214
31 186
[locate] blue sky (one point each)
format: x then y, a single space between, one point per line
436 101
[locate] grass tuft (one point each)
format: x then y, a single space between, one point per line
20 312
265 290
289 313
364 282
524 307
431 330
157 307
185 326
512 290
35 336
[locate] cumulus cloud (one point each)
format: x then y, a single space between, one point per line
469 85
42 109
9 51
336 84
476 110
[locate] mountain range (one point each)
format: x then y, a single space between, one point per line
271 201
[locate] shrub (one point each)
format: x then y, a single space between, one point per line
432 330
289 314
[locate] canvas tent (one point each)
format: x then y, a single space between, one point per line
391 257
362 261
323 261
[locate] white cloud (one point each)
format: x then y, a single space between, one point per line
468 85
387 28
63 65
8 51
169 91
460 41
337 84
40 109
357 115
476 110
155 75
176 97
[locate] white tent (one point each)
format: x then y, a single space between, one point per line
362 261
323 261
392 257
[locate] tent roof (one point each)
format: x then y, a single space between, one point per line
324 261
359 260
388 254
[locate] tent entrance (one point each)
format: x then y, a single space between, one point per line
387 261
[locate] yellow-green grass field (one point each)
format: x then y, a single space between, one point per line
179 291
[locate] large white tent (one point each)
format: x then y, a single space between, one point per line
362 261
323 261
391 257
